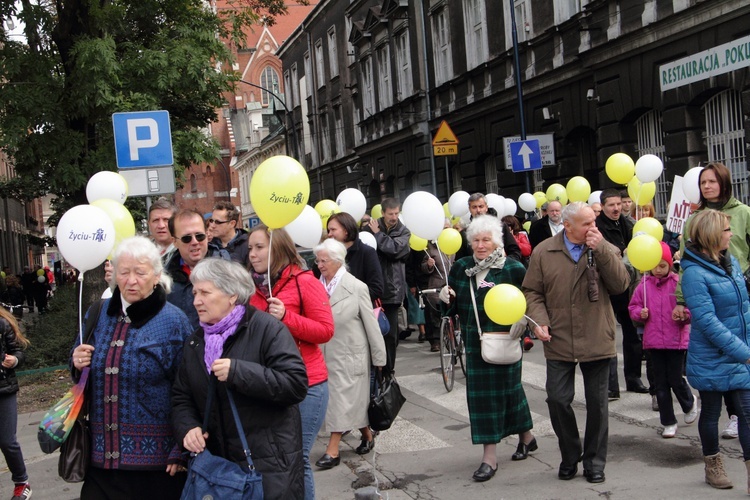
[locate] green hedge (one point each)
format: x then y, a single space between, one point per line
53 333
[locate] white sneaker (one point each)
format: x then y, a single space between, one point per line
669 431
693 413
730 432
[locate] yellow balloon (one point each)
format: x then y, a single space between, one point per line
40 272
447 211
557 192
279 191
504 304
449 241
578 189
121 219
455 220
527 226
417 243
649 225
641 193
376 212
540 198
326 208
620 168
644 252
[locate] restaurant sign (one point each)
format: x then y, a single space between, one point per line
715 61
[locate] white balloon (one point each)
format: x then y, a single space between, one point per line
353 202
527 202
423 214
690 185
368 239
307 229
510 207
497 202
648 168
458 204
85 236
595 197
107 185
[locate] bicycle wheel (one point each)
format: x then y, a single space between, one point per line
460 349
447 353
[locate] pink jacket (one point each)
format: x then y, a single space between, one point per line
660 330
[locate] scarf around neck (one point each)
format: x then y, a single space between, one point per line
331 286
216 335
495 260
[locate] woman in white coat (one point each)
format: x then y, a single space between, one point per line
356 345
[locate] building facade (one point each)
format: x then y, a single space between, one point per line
370 81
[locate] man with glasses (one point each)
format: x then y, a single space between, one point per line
191 241
223 225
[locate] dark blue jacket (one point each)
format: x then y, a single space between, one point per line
182 290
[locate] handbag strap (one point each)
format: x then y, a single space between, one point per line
235 414
476 313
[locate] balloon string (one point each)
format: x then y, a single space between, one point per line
442 260
535 323
80 308
268 270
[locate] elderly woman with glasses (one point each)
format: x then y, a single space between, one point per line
356 345
134 352
251 354
295 297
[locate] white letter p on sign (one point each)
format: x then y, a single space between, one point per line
135 143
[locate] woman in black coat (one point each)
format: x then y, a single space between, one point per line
253 355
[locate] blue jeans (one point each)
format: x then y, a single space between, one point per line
8 442
312 409
708 423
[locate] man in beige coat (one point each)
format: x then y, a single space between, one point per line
567 286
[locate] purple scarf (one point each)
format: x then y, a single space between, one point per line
216 335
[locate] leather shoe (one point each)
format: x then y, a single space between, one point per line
593 476
567 472
613 395
365 447
328 462
484 473
523 450
636 386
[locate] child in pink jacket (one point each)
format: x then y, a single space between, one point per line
666 340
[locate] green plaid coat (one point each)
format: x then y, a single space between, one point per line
496 399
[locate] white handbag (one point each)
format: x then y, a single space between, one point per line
497 348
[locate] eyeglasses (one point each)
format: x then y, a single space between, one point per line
728 230
189 237
322 261
217 222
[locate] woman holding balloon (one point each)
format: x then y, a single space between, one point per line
295 297
496 399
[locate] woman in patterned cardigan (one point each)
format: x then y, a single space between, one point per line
496 399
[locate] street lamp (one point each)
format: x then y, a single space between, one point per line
286 110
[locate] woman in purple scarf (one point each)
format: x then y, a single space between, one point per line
253 355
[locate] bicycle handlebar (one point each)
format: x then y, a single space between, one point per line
430 290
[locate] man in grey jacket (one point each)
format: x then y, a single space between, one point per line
393 251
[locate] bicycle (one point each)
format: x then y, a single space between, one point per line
451 344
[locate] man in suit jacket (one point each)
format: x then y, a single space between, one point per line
547 226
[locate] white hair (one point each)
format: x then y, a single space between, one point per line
486 224
144 251
228 276
572 209
336 250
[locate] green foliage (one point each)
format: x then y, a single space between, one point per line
81 61
53 333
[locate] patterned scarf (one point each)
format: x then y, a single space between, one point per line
495 260
216 335
331 287
261 282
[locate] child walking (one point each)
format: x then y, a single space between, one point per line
666 341
11 354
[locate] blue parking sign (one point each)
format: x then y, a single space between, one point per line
142 139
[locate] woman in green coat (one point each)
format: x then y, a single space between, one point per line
496 399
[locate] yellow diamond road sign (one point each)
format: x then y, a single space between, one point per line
445 141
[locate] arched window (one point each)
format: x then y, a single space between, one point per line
269 79
193 184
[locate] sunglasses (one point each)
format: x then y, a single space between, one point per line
218 222
189 237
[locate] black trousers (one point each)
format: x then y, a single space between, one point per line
632 347
101 484
560 394
391 340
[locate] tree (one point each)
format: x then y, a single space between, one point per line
79 61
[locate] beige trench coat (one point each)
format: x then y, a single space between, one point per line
356 343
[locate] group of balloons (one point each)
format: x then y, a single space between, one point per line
87 234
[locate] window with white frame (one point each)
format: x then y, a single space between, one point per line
651 141
339 132
475 28
320 72
524 29
289 97
268 80
308 73
725 138
349 47
403 65
565 9
441 42
295 85
368 97
333 57
490 175
325 139
385 92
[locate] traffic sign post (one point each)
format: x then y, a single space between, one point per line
149 181
142 139
445 142
525 155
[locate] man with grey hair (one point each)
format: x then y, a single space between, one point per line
567 287
547 226
478 206
159 214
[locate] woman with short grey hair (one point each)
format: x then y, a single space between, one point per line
490 225
336 250
241 349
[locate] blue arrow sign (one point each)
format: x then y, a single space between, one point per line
526 155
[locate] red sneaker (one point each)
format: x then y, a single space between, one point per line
22 491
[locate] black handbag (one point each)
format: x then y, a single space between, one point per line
385 404
209 476
75 452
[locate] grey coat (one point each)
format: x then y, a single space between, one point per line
393 252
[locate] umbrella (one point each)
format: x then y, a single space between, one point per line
58 421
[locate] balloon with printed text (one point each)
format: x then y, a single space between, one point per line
85 236
326 208
121 219
557 192
279 191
